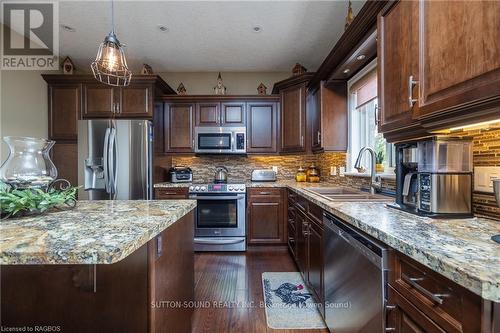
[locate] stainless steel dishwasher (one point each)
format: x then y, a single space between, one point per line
355 279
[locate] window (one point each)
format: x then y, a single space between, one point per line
363 129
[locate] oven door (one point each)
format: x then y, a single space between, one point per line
219 215
207 142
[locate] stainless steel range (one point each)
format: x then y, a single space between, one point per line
220 217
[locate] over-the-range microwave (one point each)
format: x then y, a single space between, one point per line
220 140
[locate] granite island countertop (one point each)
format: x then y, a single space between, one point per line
459 249
95 232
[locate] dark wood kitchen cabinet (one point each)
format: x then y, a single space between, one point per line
436 72
418 290
167 193
126 296
208 114
64 155
101 101
265 216
460 55
233 113
215 113
398 67
178 127
64 111
262 127
403 317
302 245
182 113
293 119
326 111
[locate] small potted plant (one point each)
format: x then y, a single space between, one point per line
379 159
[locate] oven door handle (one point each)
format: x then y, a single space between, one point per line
210 197
218 241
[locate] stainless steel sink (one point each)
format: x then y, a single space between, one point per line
347 194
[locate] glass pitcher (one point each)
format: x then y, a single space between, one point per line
29 164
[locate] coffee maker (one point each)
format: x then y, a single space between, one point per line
407 176
434 177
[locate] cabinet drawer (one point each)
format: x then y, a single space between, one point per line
264 191
449 305
301 204
171 193
315 213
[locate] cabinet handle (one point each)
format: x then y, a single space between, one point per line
113 108
264 193
192 144
411 83
301 140
377 115
390 329
319 137
413 282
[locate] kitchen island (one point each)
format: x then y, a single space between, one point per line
105 266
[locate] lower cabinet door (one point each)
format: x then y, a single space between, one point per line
65 158
265 221
302 246
403 317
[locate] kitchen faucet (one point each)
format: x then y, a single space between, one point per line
375 183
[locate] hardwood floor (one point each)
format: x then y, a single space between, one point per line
236 277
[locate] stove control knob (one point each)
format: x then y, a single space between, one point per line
191 188
197 188
203 188
230 188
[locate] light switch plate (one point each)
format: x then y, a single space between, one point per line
483 178
275 169
333 171
341 171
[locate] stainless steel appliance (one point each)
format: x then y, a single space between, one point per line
180 174
434 177
221 174
263 176
355 279
220 140
220 217
114 159
445 177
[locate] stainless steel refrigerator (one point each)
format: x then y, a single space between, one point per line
115 159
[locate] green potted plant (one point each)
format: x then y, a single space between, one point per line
379 159
23 202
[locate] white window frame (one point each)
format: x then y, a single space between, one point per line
351 156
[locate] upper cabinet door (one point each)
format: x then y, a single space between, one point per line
136 101
208 114
460 54
178 127
397 64
313 107
64 110
262 127
99 100
233 113
293 118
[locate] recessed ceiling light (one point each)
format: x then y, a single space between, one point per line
361 57
163 28
256 28
67 28
347 70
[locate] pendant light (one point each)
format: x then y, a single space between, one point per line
110 66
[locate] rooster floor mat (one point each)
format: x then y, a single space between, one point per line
288 302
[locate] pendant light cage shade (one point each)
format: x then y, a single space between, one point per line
110 66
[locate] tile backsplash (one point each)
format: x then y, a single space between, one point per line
486 153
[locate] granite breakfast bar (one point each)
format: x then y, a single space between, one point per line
104 266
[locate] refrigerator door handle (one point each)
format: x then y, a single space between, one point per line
106 161
145 161
112 164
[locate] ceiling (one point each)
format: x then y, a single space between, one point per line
207 35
